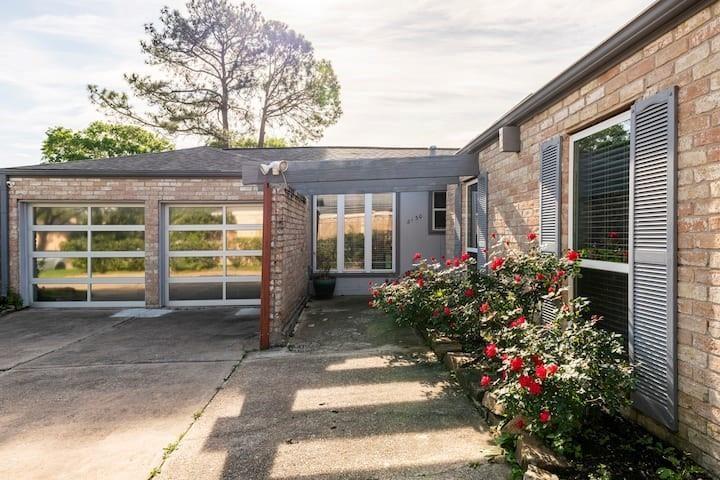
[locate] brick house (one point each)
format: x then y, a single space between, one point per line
183 228
619 157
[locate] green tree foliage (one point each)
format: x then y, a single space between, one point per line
99 140
224 71
299 94
249 142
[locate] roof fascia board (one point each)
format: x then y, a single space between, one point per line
651 23
33 172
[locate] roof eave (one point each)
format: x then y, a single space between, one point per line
35 172
651 23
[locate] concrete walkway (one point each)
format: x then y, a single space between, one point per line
86 395
352 397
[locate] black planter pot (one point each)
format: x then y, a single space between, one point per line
324 287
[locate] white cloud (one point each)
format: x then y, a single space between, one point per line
412 72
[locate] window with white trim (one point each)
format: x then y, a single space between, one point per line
438 211
87 253
600 167
354 233
471 238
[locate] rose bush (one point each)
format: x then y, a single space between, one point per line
549 375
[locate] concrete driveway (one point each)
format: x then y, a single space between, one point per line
85 394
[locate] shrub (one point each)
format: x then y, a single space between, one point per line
549 375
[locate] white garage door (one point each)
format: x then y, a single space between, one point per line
213 254
87 254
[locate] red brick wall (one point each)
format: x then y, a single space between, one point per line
290 260
687 56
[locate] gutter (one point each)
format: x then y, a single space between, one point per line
36 172
651 23
4 238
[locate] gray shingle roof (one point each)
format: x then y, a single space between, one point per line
209 161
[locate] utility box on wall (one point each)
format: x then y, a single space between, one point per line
509 139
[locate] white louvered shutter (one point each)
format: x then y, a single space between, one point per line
550 181
457 217
481 219
651 283
550 157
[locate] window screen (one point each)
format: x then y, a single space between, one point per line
608 294
603 164
382 231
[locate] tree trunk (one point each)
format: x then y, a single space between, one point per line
261 135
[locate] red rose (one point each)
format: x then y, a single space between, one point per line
572 255
436 313
535 388
552 369
465 257
525 381
520 423
560 273
516 364
456 262
448 263
485 308
536 360
420 282
484 250
432 259
375 293
544 416
493 235
447 311
490 350
469 293
541 372
390 301
613 234
496 263
531 236
485 380
517 278
551 289
504 357
417 256
517 322
395 282
371 304
540 277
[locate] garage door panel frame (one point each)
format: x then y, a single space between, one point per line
29 254
225 253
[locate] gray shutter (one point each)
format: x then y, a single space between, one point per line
481 218
550 158
457 220
651 258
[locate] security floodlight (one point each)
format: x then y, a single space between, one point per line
275 168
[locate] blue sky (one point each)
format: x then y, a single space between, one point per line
413 72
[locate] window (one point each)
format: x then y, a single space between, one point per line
82 253
214 254
471 239
354 233
438 211
600 167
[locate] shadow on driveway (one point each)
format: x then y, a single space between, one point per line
352 397
86 395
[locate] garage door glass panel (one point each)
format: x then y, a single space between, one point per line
60 216
244 240
60 241
118 241
243 266
88 253
60 292
118 215
208 247
243 290
113 267
102 292
196 291
196 266
60 267
196 240
196 215
244 215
